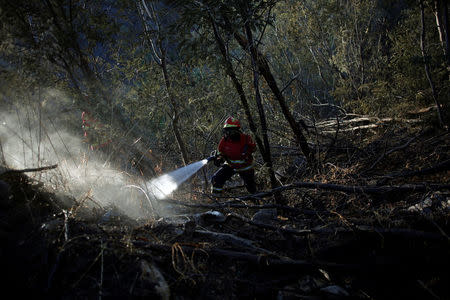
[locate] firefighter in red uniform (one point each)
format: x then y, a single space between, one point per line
235 152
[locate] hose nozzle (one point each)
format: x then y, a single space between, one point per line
211 158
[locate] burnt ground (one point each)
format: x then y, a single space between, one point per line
370 223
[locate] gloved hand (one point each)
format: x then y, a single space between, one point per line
214 153
218 161
216 158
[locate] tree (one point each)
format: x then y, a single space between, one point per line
67 44
441 14
57 34
237 84
426 65
159 43
247 11
264 69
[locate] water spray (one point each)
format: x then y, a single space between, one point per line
164 185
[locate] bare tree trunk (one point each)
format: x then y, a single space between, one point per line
441 14
264 69
262 116
160 57
445 24
176 116
238 87
427 69
438 16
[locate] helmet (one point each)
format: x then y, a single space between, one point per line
232 123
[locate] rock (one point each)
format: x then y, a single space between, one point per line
265 215
433 202
209 217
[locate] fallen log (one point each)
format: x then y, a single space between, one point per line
233 204
440 167
392 151
270 227
401 232
268 262
261 260
364 189
232 240
364 121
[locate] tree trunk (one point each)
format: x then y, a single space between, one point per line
445 24
161 60
441 14
427 70
175 116
262 116
264 69
237 86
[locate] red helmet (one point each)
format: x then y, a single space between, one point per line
232 123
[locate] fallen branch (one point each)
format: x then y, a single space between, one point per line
391 151
353 128
267 262
233 204
12 171
440 167
233 240
367 189
261 260
404 232
365 120
271 227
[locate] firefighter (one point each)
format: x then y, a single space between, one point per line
234 155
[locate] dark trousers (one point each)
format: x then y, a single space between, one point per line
225 172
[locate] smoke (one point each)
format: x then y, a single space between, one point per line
44 133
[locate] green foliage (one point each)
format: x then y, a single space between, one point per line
361 54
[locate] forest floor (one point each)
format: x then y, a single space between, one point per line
370 223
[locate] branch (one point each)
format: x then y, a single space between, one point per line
233 204
231 239
391 151
261 260
332 106
404 232
29 170
271 227
289 82
365 189
440 167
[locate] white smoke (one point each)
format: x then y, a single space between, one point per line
34 136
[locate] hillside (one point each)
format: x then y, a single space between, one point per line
225 149
373 224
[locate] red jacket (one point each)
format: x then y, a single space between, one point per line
238 154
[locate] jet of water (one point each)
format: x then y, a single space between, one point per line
163 185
